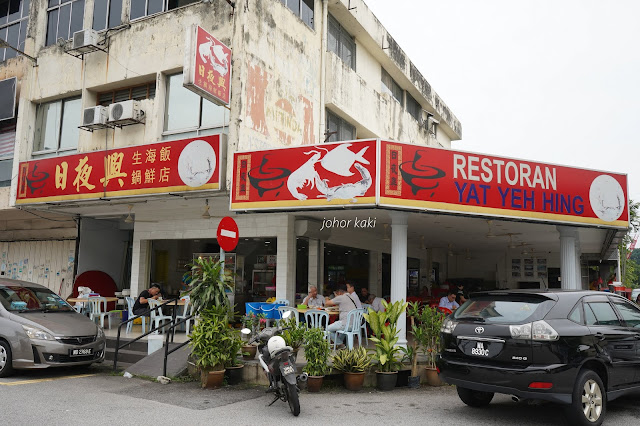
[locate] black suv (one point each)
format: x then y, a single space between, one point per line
579 348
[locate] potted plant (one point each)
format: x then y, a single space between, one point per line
254 323
430 323
385 336
353 363
207 284
316 351
234 367
294 335
413 312
210 343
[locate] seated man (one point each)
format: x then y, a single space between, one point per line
141 307
351 292
313 299
345 304
375 302
364 295
449 301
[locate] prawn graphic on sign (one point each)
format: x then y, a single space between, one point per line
213 54
338 161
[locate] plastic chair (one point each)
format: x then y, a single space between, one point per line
294 313
317 319
130 303
98 309
363 328
352 328
282 302
187 310
157 317
445 310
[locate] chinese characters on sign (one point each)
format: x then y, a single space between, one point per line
207 70
174 166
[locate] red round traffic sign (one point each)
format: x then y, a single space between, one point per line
228 234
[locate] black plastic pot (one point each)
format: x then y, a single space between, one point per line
413 382
234 374
386 381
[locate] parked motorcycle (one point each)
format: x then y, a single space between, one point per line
276 358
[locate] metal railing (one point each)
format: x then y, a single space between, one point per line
169 334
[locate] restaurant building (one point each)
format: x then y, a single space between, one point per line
146 122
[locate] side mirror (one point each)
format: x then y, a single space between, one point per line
286 315
245 331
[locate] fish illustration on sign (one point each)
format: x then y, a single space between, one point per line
348 191
341 159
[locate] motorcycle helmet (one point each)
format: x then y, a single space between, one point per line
275 344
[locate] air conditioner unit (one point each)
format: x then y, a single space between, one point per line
95 117
126 112
85 40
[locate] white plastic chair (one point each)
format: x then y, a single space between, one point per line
363 328
187 310
157 317
317 319
284 302
294 313
352 328
98 309
130 303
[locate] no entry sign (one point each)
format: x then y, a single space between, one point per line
228 234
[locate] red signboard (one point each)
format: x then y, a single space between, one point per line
183 165
423 178
228 234
326 175
207 66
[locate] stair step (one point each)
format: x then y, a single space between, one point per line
140 345
125 355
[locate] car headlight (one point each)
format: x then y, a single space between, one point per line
100 332
448 326
37 334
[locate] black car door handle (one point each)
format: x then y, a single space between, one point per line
600 336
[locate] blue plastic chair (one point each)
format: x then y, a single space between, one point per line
294 313
317 319
352 328
130 303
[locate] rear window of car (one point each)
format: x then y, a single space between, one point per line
505 309
25 299
600 313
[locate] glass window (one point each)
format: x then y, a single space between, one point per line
14 16
64 19
140 8
338 129
106 14
576 314
26 298
57 125
603 313
390 86
630 314
341 43
7 144
188 112
413 107
505 310
302 9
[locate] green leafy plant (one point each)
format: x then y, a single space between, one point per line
316 351
355 360
411 353
294 335
384 327
426 332
212 339
235 347
207 284
254 323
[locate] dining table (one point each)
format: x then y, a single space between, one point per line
84 299
329 311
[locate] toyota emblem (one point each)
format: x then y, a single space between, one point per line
479 330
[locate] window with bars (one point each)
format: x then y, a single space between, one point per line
340 42
57 126
338 129
140 8
144 91
106 14
64 17
413 107
303 9
14 18
390 86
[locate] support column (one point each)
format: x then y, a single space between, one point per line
321 282
140 266
374 282
399 268
314 260
570 276
286 259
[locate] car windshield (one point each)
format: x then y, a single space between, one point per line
504 310
19 298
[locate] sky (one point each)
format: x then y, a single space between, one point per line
554 81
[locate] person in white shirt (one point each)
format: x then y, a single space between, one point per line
351 291
313 299
375 302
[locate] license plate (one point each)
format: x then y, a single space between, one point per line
288 370
81 352
480 349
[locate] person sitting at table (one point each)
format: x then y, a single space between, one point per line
345 304
141 307
351 291
364 295
313 299
375 302
449 301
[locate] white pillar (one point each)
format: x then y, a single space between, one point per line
314 259
569 275
286 259
321 267
140 266
399 268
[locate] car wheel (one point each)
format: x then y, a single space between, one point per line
588 402
6 369
474 398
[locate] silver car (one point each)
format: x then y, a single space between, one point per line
38 329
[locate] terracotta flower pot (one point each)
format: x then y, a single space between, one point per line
251 349
432 377
234 374
212 379
314 383
353 381
386 380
